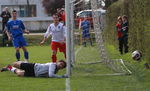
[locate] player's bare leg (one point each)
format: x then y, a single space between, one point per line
19 72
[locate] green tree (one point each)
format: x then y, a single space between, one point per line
109 2
52 5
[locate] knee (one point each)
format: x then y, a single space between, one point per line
24 49
17 49
20 73
54 52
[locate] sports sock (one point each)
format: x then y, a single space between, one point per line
84 44
54 58
26 55
91 43
11 68
18 56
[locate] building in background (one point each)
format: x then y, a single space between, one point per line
30 11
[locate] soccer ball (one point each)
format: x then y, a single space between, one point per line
136 55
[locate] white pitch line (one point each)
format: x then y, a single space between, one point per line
68 84
68 79
126 67
78 50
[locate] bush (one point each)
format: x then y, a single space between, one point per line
137 12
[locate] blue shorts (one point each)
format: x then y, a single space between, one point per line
19 42
85 34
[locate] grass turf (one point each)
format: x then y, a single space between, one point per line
84 77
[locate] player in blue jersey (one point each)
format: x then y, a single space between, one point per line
85 25
15 30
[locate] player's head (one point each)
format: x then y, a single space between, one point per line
6 8
61 64
55 18
119 19
14 14
124 18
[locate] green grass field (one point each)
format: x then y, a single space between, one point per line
84 77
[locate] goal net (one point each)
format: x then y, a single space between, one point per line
92 62
93 55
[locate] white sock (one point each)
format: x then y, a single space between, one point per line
12 69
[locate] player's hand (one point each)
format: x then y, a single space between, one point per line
9 38
42 42
62 42
65 76
27 32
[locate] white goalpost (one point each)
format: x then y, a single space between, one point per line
68 43
68 38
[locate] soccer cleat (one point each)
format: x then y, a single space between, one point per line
4 69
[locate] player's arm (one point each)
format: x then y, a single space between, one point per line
9 35
52 74
23 28
81 25
59 76
8 31
26 31
43 41
46 35
65 35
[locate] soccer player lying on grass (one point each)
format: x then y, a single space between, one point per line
36 69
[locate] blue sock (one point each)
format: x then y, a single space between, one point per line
26 55
18 56
84 44
91 43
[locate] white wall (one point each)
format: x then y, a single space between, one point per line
39 9
32 23
35 23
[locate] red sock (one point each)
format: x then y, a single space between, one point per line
9 67
54 58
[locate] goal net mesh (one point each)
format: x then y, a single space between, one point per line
94 57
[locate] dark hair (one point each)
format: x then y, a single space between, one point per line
65 64
124 16
119 18
56 15
14 11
